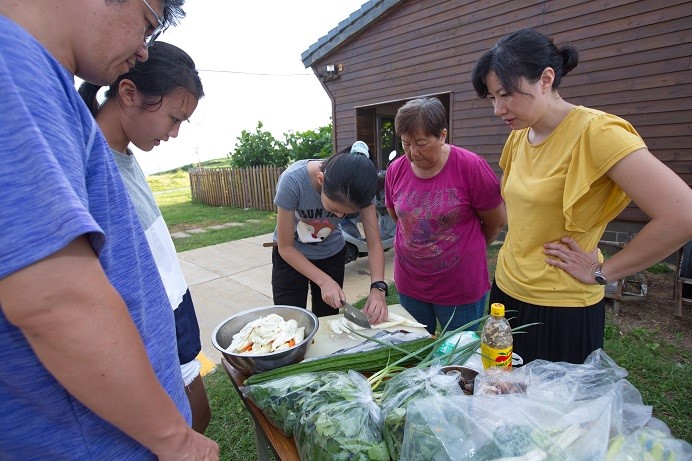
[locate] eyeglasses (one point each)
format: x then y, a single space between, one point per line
149 39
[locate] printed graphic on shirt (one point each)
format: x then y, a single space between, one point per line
314 230
314 225
419 222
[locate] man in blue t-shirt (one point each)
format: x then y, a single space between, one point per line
88 361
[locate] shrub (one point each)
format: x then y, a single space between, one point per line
258 148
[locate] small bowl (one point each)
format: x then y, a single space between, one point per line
222 337
466 376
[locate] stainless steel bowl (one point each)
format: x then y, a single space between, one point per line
257 363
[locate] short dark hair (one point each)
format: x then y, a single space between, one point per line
167 69
350 179
172 12
426 116
523 54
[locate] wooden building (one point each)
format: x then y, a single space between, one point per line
634 62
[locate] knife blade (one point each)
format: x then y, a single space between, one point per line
355 315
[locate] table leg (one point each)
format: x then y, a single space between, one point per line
262 445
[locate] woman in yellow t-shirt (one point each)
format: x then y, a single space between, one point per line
567 171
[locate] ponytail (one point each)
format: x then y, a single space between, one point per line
88 92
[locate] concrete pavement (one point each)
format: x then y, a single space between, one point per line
231 277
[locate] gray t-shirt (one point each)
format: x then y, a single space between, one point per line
154 226
316 234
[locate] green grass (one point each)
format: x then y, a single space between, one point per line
660 268
218 163
175 179
182 214
660 371
213 237
231 425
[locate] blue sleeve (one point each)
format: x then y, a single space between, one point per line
44 203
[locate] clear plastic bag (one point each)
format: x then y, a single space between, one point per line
280 399
404 388
648 443
340 421
506 426
559 381
543 410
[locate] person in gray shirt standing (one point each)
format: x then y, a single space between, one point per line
312 196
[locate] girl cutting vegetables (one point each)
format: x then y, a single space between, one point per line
312 196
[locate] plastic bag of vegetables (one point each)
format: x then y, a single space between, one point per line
648 443
505 427
340 421
404 388
280 399
558 381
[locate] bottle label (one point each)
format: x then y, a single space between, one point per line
496 357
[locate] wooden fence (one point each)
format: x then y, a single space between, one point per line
252 187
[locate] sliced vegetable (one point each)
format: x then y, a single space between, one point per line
267 334
342 325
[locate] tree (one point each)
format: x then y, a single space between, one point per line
259 148
262 148
310 144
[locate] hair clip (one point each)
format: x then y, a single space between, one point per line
359 147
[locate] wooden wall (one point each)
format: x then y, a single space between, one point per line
634 62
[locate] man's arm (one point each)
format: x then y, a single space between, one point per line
81 330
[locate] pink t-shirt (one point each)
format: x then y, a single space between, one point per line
440 251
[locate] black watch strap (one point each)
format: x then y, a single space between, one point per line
381 285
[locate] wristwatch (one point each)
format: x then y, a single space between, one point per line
381 285
598 275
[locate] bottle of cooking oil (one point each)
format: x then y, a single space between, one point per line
496 339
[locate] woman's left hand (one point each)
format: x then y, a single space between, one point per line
571 258
376 307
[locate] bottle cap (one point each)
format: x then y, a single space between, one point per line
497 309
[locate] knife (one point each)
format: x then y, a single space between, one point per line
355 315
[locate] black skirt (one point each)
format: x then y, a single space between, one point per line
564 334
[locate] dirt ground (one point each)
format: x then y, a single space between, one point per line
656 312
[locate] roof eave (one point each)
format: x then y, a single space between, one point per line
356 22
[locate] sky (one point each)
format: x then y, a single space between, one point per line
248 54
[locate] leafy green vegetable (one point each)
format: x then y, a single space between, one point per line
341 421
280 399
422 438
402 389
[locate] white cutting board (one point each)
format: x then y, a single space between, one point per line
326 341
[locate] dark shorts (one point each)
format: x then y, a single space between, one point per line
565 334
187 330
290 287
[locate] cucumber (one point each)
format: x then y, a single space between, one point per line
363 362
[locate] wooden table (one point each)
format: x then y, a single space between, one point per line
269 439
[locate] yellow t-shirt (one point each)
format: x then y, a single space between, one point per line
555 189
